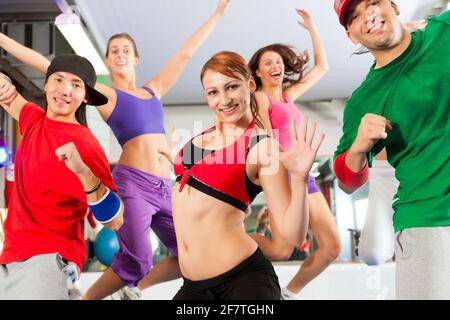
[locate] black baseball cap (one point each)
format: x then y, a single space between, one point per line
82 68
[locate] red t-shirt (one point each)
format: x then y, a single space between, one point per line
48 205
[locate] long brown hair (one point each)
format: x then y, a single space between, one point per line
294 63
232 64
122 36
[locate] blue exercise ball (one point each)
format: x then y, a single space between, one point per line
105 246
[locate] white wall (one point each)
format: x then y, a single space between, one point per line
100 129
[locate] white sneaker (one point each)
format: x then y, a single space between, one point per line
287 294
75 294
127 293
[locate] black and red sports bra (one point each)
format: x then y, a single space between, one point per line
220 173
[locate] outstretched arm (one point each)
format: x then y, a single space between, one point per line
170 73
415 25
38 61
320 59
24 54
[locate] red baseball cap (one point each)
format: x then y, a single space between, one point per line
340 6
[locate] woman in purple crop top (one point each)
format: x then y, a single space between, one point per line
273 68
142 173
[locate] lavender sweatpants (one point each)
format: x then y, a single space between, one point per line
312 186
148 205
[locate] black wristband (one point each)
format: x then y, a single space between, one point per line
94 188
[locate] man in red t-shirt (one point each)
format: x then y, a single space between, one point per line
60 170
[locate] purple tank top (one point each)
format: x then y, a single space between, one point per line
133 116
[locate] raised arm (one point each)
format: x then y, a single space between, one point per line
170 73
289 205
39 62
10 99
24 54
320 59
415 25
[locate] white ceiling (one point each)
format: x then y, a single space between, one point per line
161 26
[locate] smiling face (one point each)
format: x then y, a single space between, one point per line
270 69
121 56
65 92
374 24
228 97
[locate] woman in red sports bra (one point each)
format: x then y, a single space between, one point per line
135 114
219 172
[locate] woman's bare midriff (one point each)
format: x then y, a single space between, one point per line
141 153
211 234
